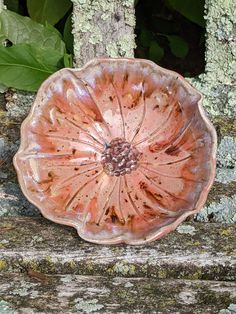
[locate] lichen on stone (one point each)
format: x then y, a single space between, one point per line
5 307
219 99
19 105
217 84
87 306
128 3
96 37
91 18
226 154
225 175
123 268
186 229
123 47
130 19
128 285
67 278
230 310
12 201
224 211
221 17
126 46
3 266
112 50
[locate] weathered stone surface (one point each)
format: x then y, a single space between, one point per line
14 107
37 293
218 82
221 202
225 126
220 211
194 251
103 28
221 44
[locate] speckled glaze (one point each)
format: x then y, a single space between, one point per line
120 149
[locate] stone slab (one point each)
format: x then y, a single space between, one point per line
194 251
35 293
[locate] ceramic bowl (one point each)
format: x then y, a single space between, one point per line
120 149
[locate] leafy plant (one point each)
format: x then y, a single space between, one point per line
67 34
31 51
178 46
191 9
25 66
36 38
20 29
155 51
50 11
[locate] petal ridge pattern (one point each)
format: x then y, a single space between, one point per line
120 149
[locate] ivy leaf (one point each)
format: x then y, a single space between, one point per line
20 29
50 11
191 9
178 46
156 52
25 67
67 35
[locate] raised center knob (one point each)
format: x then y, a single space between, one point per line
119 157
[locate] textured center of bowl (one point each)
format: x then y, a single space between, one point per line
119 157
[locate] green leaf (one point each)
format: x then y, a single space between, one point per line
3 88
56 33
68 62
2 40
156 52
191 9
50 11
145 38
178 46
67 35
20 29
25 67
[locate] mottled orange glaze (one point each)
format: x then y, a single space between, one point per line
120 149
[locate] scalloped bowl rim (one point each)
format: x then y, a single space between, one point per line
121 239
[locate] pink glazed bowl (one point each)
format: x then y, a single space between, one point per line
120 149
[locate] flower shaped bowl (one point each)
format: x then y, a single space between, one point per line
120 149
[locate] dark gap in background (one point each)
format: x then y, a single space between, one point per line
157 22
